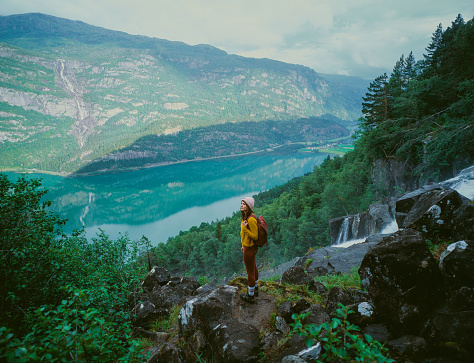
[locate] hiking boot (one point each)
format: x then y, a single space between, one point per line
246 297
256 291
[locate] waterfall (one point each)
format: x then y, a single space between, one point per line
343 232
390 228
463 183
355 226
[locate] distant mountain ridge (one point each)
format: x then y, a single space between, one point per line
72 93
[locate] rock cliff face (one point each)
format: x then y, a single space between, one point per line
100 87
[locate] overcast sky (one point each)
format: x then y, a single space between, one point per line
351 37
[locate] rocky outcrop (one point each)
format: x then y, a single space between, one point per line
395 177
296 275
437 212
403 280
428 307
421 308
160 292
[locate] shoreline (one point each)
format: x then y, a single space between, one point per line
155 165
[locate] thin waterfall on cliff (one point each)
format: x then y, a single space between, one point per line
344 231
463 183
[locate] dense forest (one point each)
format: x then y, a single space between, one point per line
55 288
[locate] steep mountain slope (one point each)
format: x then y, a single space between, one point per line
71 93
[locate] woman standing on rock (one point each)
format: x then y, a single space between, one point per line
248 234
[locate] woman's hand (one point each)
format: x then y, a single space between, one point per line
245 223
242 249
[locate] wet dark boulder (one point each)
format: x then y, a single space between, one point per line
451 333
431 212
146 312
457 264
157 276
409 347
403 280
463 223
285 310
296 275
160 293
169 353
378 332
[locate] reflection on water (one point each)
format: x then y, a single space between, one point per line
159 202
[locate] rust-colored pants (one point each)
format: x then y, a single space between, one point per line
250 265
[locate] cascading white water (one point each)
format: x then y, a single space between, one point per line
355 225
463 183
390 228
343 232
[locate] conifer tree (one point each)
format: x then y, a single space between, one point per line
432 58
396 81
409 71
375 102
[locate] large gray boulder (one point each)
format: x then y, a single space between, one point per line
431 212
335 260
207 311
403 280
234 342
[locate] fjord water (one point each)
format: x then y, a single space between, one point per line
160 202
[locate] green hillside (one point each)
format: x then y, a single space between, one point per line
71 93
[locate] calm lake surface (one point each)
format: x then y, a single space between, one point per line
162 201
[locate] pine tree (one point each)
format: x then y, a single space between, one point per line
409 71
396 81
432 59
375 102
452 46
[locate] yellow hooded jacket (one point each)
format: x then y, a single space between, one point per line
250 234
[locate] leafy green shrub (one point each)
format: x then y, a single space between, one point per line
340 340
203 280
30 237
73 332
40 318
